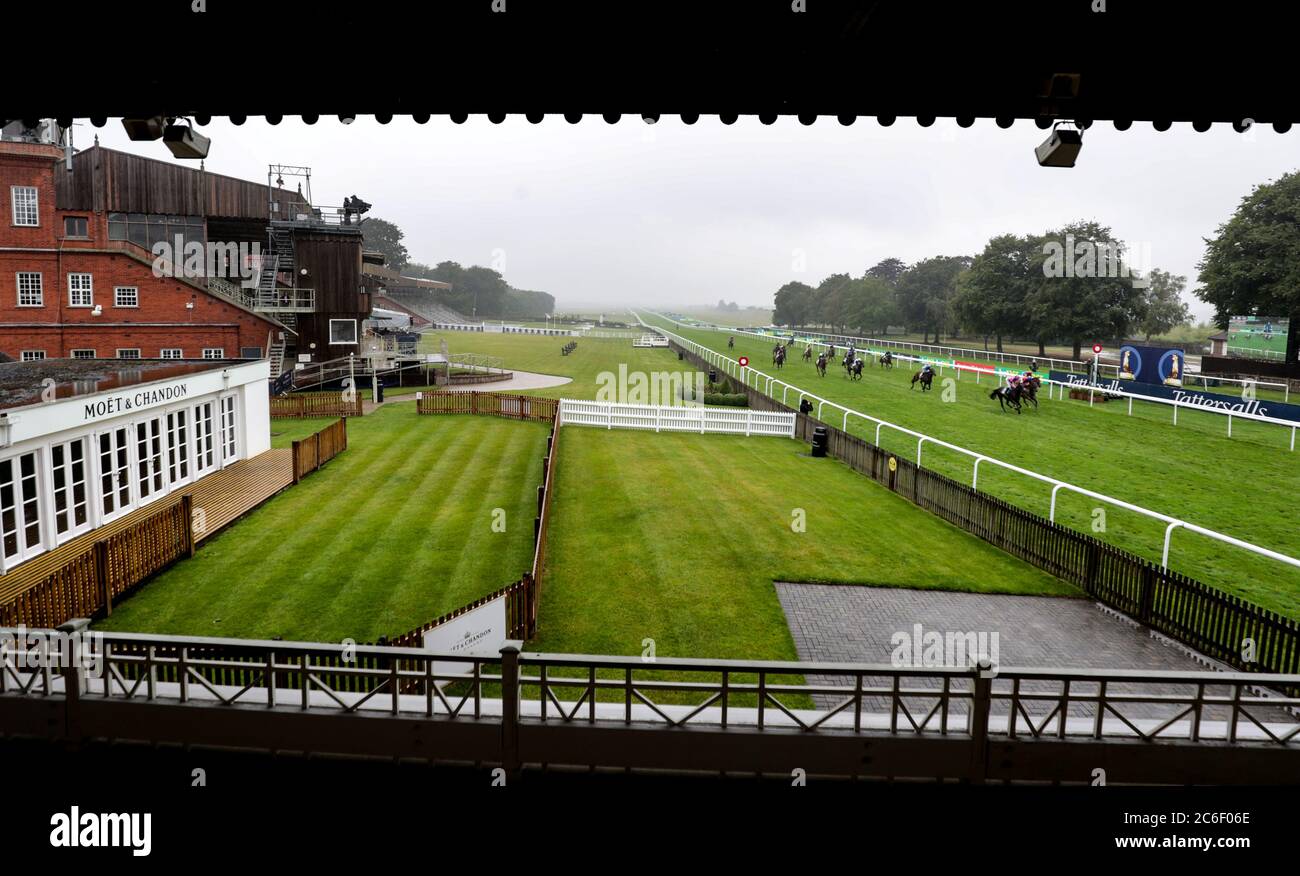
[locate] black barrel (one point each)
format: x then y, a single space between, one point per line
820 441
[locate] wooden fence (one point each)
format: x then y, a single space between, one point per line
1213 622
107 569
317 404
312 452
497 404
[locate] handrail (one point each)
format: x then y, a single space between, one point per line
1057 483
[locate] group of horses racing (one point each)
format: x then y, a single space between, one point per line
1018 391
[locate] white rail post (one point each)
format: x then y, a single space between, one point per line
820 403
1051 514
1169 531
1130 405
1175 413
845 425
975 476
878 425
919 443
1229 424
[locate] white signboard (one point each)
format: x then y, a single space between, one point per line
479 633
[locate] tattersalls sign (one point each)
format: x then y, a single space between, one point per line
1229 403
130 401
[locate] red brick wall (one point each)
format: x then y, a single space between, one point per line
161 320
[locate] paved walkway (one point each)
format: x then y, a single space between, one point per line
520 380
848 623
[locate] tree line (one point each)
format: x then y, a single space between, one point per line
478 292
1071 284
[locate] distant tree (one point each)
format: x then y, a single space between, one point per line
418 270
888 270
869 305
926 290
794 303
1084 294
383 236
830 301
1163 306
991 296
1252 266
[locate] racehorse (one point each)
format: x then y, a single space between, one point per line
887 360
1029 390
807 353
925 378
1008 397
776 351
821 364
847 361
855 370
778 358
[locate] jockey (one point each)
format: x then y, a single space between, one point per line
926 370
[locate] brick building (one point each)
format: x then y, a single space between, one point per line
72 288
79 277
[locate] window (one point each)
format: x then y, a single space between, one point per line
30 291
204 449
146 229
80 293
126 296
172 353
229 445
76 226
20 518
130 353
148 454
343 331
24 205
114 471
178 448
71 499
33 355
83 354
214 353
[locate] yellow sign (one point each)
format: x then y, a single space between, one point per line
893 463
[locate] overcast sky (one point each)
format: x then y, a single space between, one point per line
672 214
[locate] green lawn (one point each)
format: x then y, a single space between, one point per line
390 534
1244 486
541 354
678 538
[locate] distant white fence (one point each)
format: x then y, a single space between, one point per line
651 341
676 418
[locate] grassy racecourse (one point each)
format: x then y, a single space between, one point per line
388 535
678 537
1244 486
541 354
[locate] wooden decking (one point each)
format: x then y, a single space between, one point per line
222 497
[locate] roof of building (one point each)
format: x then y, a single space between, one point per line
24 383
1218 336
395 278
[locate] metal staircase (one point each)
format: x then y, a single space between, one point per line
275 353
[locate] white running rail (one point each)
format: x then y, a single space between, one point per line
1095 391
676 418
760 379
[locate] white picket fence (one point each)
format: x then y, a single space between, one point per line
676 418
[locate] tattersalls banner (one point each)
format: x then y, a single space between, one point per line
1195 397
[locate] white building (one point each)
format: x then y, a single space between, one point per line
83 442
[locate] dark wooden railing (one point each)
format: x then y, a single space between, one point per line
88 583
1217 624
312 452
497 404
317 404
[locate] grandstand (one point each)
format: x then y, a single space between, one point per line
414 295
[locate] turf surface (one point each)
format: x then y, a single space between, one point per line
678 538
392 533
1244 486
